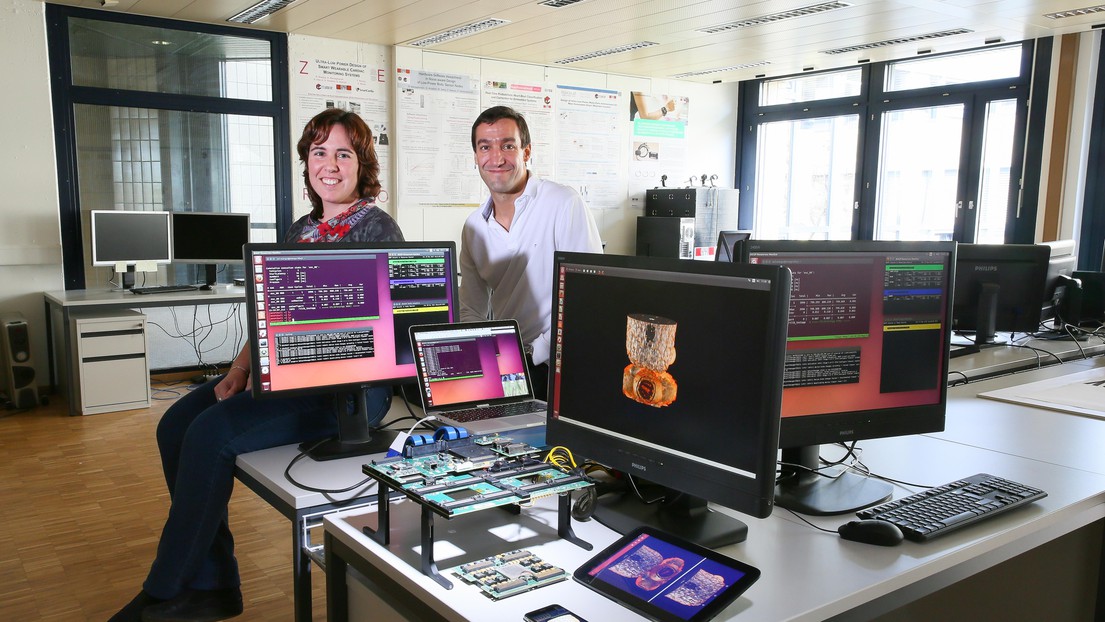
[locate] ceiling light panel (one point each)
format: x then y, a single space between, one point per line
1090 10
899 41
259 11
805 11
459 33
559 4
607 52
705 72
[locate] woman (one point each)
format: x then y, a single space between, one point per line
195 575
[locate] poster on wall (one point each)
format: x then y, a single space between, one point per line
358 87
435 111
590 139
658 141
535 103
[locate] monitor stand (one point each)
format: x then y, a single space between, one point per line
355 434
126 279
801 490
211 275
685 516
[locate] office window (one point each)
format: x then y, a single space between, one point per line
919 173
921 149
807 178
976 66
818 87
164 115
142 57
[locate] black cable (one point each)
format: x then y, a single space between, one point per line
804 520
325 491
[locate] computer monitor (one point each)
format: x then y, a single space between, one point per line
867 356
209 238
333 318
726 243
670 372
127 237
999 287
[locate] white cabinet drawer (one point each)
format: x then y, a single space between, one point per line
95 345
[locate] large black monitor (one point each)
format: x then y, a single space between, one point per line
867 356
127 238
670 372
999 288
333 318
209 238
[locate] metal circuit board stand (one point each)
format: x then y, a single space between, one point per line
507 495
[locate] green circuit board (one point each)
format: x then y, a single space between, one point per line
510 573
460 478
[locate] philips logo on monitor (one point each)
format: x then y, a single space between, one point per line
986 268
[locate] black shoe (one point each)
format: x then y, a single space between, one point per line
197 606
132 612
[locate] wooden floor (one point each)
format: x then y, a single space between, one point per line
82 503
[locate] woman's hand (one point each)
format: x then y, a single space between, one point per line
235 380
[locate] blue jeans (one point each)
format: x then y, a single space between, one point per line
199 439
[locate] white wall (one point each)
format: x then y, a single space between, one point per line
711 138
30 237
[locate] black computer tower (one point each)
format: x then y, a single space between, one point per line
665 236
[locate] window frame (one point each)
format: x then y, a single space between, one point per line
873 101
66 96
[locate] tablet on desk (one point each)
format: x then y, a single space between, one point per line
666 578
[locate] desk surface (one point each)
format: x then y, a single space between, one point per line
1001 359
807 574
113 298
1049 436
266 468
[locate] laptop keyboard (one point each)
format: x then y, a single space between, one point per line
496 411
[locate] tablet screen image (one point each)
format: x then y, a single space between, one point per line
666 578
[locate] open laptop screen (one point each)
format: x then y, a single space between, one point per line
470 363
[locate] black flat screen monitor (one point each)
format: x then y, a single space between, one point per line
127 237
999 288
727 242
670 372
867 356
209 238
333 318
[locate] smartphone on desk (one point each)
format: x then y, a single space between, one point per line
552 613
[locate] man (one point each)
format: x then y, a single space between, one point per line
506 257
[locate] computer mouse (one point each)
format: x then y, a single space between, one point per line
871 531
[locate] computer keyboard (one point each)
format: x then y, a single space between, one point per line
938 510
496 411
163 289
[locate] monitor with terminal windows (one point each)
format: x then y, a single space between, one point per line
209 238
867 357
670 373
999 288
126 238
333 318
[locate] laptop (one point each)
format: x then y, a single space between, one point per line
474 375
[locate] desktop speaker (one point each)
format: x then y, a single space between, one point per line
17 367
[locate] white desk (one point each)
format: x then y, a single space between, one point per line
807 574
1048 436
1029 353
60 306
263 473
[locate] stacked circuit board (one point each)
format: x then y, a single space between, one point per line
454 477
